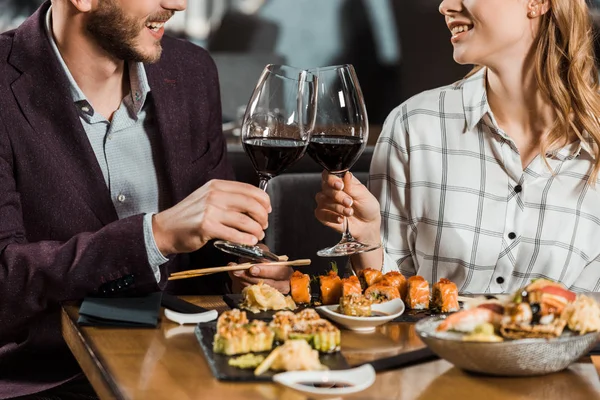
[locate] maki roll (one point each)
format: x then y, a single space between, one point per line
300 287
351 285
397 280
239 339
444 296
417 296
233 317
368 277
355 305
331 288
321 334
379 293
282 324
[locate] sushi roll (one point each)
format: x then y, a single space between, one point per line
321 334
239 339
379 293
417 296
300 287
444 296
351 285
369 277
396 279
233 317
355 305
331 288
308 314
282 324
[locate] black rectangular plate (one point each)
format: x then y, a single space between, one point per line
234 301
221 370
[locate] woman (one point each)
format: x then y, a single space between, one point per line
492 181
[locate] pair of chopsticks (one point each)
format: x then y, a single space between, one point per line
238 267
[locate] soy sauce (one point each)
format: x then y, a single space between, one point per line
327 385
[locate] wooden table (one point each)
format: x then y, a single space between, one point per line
167 363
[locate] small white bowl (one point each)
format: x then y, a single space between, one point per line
392 309
357 379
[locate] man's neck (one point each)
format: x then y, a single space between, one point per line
103 79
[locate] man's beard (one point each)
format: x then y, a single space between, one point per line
116 33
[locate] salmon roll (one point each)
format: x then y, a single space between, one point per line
351 285
300 287
331 288
417 295
444 296
368 277
379 293
397 280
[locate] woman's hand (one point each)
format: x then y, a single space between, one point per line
348 197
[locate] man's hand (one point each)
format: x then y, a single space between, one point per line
273 275
226 210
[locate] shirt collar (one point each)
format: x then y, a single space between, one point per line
476 106
137 76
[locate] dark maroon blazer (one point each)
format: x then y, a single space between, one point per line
60 237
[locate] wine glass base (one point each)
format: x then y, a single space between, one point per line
347 248
243 251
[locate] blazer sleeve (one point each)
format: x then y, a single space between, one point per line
37 276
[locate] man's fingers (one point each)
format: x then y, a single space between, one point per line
243 189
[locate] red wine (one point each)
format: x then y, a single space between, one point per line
271 156
335 153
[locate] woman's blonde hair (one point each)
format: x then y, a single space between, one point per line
567 76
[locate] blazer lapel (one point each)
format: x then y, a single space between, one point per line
42 92
173 138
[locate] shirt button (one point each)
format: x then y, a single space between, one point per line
121 198
512 235
500 280
518 188
85 109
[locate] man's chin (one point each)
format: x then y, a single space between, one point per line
153 56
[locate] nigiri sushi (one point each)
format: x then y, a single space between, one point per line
417 296
300 287
444 296
396 279
368 277
351 285
379 293
331 288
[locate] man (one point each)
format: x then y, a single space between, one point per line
113 174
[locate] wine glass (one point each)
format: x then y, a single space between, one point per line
275 132
339 136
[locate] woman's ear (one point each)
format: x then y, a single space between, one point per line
537 8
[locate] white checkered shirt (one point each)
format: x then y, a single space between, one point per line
456 202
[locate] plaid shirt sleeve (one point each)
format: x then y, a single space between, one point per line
388 181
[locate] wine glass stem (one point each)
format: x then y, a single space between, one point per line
347 236
262 185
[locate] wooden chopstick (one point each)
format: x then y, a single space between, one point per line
237 267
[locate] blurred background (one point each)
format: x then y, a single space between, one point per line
398 47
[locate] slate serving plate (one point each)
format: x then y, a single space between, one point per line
234 301
224 372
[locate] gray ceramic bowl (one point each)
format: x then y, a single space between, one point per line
523 357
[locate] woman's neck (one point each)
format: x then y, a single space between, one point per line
519 107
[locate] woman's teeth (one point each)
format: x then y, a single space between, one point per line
460 28
155 26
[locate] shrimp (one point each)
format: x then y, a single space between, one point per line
466 321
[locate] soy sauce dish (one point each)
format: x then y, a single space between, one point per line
382 313
328 384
